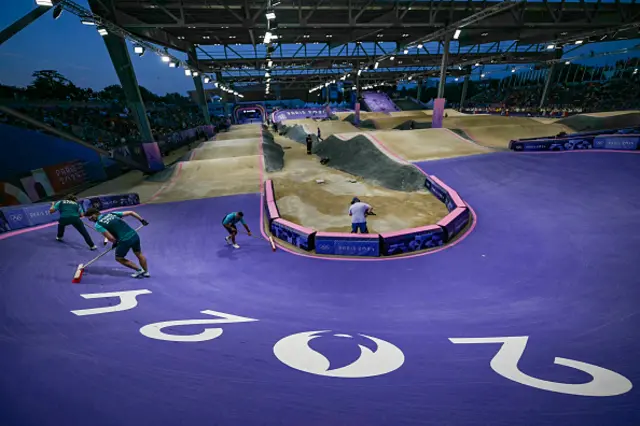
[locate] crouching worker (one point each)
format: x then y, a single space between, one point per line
70 214
358 212
229 223
123 237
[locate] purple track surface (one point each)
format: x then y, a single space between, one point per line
554 257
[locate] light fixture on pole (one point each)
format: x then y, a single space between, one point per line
456 35
271 15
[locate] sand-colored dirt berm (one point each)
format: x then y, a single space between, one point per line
425 144
228 165
324 206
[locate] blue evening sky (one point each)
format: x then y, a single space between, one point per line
78 52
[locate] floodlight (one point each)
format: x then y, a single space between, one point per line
103 31
47 3
187 72
270 15
456 35
139 50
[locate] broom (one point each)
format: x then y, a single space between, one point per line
77 277
271 242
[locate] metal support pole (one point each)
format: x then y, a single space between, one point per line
443 66
547 84
465 87
202 99
121 60
22 23
419 92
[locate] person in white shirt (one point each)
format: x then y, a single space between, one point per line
358 212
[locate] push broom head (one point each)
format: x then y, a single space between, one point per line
273 244
78 275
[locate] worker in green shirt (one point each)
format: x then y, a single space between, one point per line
123 237
70 214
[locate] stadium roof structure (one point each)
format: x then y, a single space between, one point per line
317 41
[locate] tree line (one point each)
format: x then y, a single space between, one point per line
52 85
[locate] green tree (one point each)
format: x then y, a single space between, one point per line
50 84
112 93
148 95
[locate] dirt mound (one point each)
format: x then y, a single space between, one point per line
295 132
584 122
213 178
467 121
226 149
327 128
242 131
272 152
427 144
359 156
324 206
499 136
414 125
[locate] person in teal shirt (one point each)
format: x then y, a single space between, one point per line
123 237
229 223
70 214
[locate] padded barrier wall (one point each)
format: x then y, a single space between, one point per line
373 245
576 142
431 236
270 207
341 244
25 216
295 235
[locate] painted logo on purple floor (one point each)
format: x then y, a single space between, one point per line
295 351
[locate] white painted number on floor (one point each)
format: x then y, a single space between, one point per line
505 363
154 331
295 352
128 300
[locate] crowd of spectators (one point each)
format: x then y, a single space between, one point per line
109 126
562 98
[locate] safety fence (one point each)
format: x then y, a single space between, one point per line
627 139
373 245
14 218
